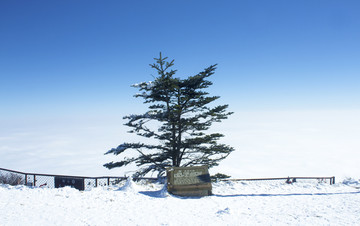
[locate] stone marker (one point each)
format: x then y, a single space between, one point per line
189 181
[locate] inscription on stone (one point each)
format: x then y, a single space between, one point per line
182 177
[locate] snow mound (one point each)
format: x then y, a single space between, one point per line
129 186
351 182
162 193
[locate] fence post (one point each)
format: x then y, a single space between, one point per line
34 180
96 182
108 181
25 179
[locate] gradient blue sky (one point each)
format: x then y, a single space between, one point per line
80 57
288 69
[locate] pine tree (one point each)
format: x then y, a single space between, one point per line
182 112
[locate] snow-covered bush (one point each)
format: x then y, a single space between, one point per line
11 179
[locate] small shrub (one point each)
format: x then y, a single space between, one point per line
11 179
219 176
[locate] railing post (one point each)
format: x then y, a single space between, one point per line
96 182
108 181
34 180
25 179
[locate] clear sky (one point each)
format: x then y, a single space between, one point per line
78 58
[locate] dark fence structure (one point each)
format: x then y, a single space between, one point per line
290 180
13 177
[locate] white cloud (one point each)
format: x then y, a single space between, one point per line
268 144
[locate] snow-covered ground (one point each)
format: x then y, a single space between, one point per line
233 203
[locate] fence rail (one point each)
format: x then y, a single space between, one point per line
47 180
288 179
13 177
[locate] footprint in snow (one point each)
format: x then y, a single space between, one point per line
224 211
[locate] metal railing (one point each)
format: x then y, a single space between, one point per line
13 177
289 180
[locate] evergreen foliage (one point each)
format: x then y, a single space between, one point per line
218 177
182 112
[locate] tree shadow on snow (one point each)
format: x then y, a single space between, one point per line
154 194
163 194
292 194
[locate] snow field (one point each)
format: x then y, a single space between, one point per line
233 203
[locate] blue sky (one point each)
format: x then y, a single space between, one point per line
72 57
66 68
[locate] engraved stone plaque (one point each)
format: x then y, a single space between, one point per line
189 181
